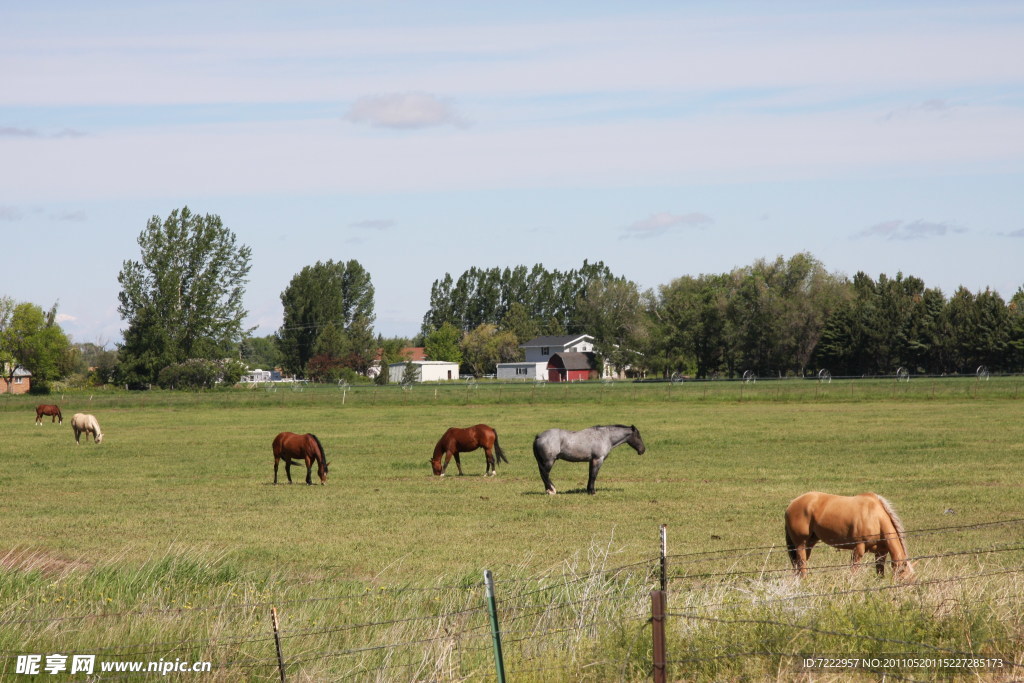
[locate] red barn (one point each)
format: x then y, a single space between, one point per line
570 366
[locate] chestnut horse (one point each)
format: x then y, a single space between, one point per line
863 523
48 410
457 440
303 448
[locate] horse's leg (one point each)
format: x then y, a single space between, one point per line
458 463
288 469
595 467
277 461
491 465
858 555
545 467
880 563
309 472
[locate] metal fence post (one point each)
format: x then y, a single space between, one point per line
658 634
277 642
664 557
499 660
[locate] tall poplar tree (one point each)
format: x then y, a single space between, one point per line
183 299
334 298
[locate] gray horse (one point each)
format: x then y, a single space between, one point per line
588 445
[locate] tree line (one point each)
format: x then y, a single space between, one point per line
182 305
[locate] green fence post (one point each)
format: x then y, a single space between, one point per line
499 660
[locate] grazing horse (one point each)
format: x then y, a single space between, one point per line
588 445
300 447
457 440
863 523
48 410
84 422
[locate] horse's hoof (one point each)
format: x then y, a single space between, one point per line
551 492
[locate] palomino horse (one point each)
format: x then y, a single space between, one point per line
48 410
588 445
84 422
863 523
457 440
300 447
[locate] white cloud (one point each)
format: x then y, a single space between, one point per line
914 230
660 223
404 110
373 224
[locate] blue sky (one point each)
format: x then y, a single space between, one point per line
663 138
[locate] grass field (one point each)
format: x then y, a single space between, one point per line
169 540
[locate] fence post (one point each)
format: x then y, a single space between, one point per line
277 642
658 600
499 660
664 558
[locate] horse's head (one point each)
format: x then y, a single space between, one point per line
99 437
903 571
636 441
322 472
435 465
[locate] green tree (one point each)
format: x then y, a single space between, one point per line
443 344
390 352
184 295
32 339
613 312
336 296
260 352
486 346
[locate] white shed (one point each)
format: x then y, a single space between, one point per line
523 370
426 371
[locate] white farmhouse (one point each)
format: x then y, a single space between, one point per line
539 353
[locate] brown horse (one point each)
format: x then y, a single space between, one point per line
863 523
300 447
48 410
457 440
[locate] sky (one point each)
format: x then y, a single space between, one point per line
662 138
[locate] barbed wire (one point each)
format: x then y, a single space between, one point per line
516 609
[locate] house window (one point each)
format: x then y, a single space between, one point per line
17 380
520 371
545 350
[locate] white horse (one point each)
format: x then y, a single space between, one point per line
84 422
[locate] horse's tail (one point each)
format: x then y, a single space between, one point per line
323 453
498 450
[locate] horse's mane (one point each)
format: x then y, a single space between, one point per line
323 453
896 522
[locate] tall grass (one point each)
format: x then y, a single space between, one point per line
586 619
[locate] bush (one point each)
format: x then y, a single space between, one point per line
195 373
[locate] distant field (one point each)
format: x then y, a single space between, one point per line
184 480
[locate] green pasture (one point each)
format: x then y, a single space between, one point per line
179 494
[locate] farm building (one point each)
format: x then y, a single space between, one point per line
17 381
558 358
538 354
257 375
413 353
426 371
570 366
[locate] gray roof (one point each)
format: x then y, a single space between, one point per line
575 361
554 340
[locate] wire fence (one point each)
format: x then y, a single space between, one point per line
492 392
595 623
